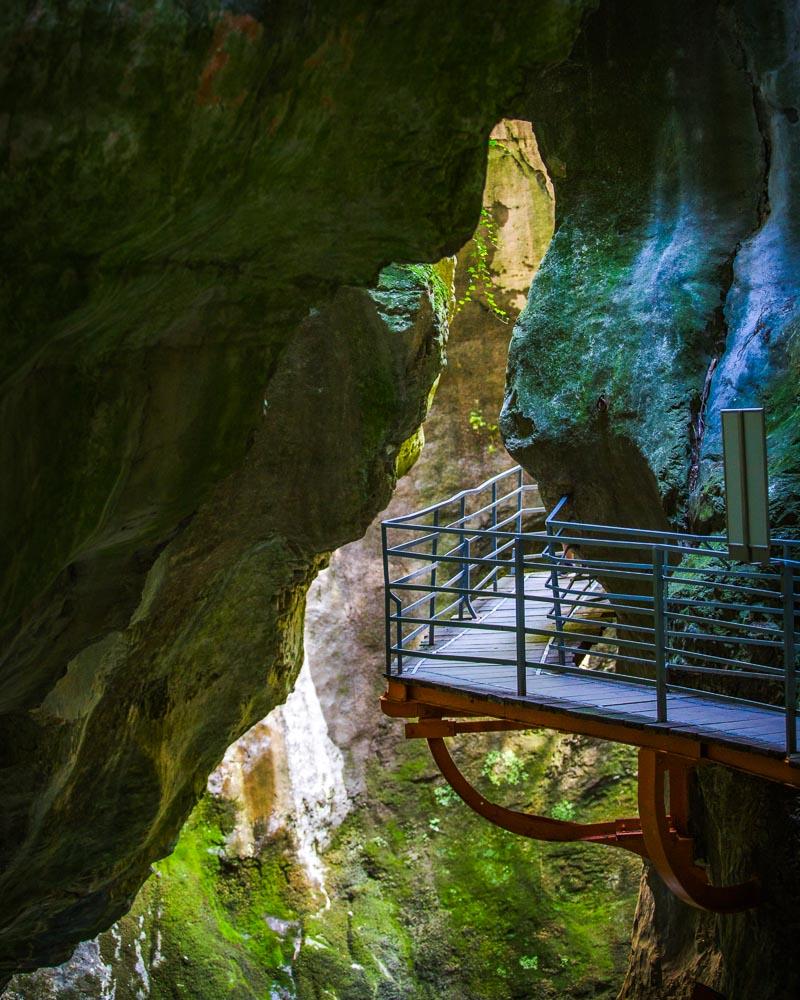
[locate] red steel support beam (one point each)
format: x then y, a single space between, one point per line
659 835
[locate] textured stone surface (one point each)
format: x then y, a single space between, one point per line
415 897
194 408
129 733
644 317
190 191
670 289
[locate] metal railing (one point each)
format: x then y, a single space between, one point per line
679 614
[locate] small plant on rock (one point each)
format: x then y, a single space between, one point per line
503 767
483 429
564 810
481 281
445 796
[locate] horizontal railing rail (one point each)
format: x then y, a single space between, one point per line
667 610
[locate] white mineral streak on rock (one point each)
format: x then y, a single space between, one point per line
158 955
319 800
140 966
287 772
116 934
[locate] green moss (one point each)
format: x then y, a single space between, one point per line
438 280
206 915
431 902
410 450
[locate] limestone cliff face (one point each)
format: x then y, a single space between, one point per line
328 858
669 290
200 400
196 404
127 735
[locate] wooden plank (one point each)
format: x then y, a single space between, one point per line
462 674
457 670
698 711
576 689
484 637
766 728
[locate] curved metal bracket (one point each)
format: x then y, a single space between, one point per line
624 833
659 836
670 850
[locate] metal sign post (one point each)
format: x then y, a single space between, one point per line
744 443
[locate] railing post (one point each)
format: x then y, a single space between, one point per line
659 632
519 596
434 553
399 653
493 527
465 579
387 604
519 499
790 679
556 592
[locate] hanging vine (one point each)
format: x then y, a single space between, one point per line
481 282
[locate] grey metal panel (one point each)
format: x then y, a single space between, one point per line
746 490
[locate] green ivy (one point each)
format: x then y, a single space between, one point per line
481 280
481 426
445 796
563 809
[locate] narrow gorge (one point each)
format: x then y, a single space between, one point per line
274 273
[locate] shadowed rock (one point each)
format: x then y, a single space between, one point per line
197 403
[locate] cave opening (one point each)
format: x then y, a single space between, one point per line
212 377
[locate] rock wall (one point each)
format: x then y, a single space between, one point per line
133 727
669 290
199 400
272 888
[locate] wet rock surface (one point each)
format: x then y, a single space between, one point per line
669 289
132 728
200 401
329 856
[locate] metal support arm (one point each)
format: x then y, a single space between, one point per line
662 838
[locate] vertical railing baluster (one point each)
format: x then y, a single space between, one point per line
465 579
494 537
519 597
434 553
519 499
556 593
387 605
399 653
790 675
463 550
659 632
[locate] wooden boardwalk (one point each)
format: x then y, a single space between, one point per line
469 680
698 716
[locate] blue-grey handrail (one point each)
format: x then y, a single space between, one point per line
680 608
470 491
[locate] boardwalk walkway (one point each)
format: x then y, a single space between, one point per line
619 633
692 714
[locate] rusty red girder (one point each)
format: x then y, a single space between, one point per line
659 835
